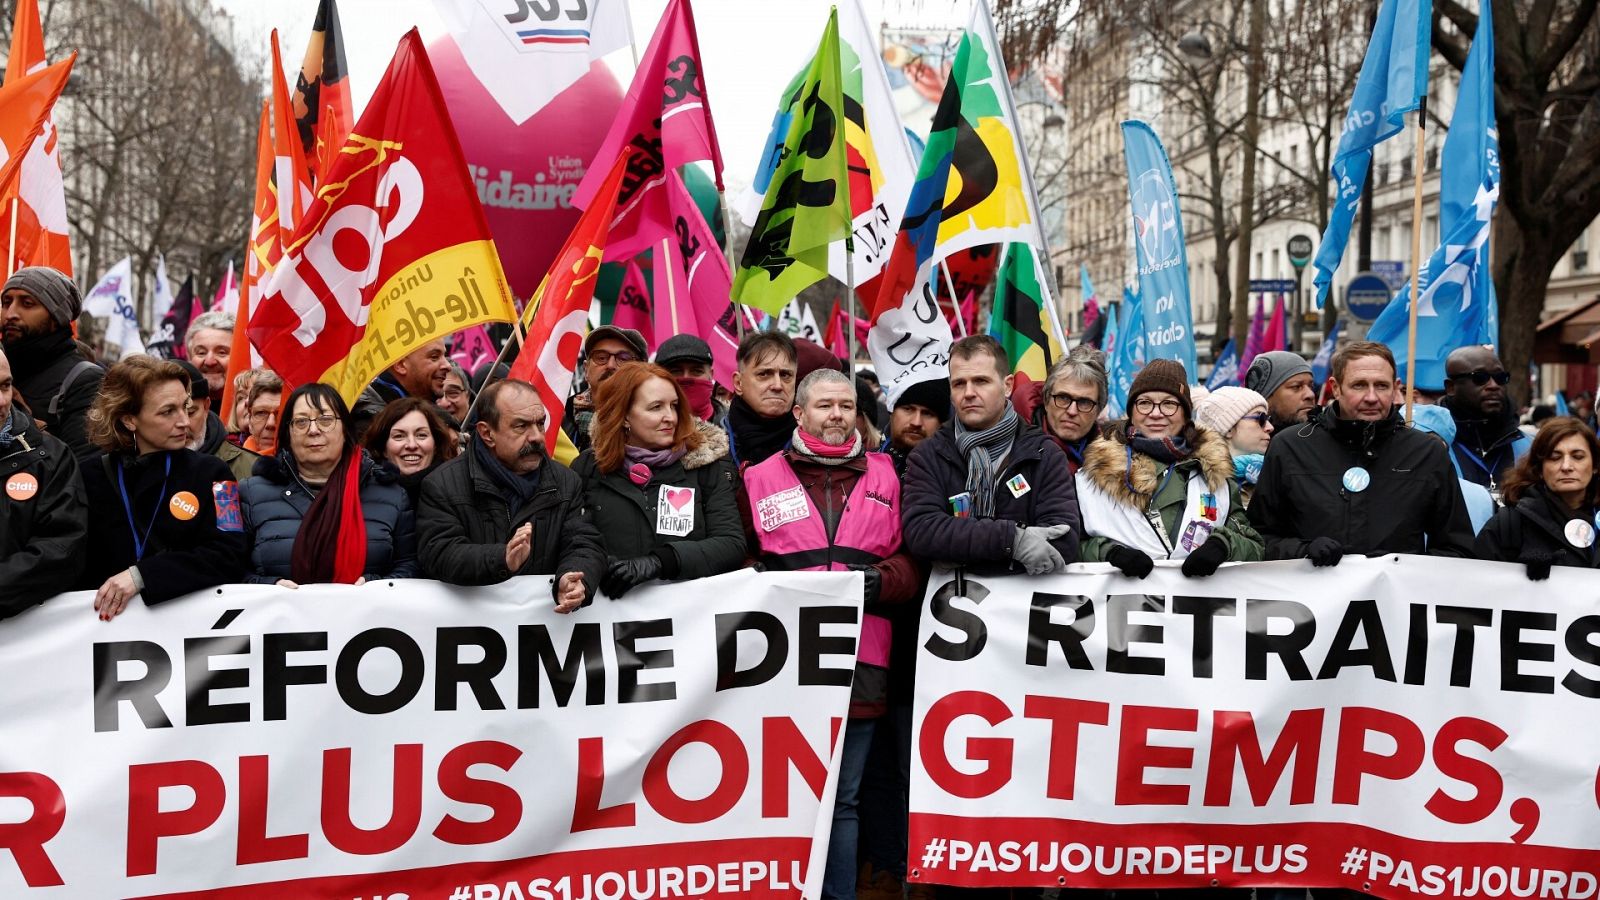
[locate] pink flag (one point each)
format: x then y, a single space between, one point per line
969 312
473 347
665 122
1255 339
1275 338
692 280
227 299
633 306
833 337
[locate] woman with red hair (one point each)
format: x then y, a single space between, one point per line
658 484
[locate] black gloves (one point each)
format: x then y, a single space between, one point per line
1538 566
1324 551
1133 563
625 574
1204 559
874 583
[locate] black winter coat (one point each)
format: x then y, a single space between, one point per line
625 513
275 501
464 522
44 534
1532 531
40 366
182 555
937 472
1413 504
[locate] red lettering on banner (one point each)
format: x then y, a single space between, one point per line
734 769
254 845
782 747
26 839
587 814
1353 760
1135 754
148 824
456 782
1233 736
404 816
1066 716
1489 787
995 752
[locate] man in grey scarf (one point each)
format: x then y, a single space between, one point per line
37 308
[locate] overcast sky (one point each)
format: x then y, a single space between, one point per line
752 47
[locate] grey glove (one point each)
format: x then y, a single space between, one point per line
1033 551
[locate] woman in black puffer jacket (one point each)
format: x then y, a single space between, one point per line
299 506
1551 499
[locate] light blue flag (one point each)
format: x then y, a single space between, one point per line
1086 287
1394 77
1322 363
1159 249
1226 371
1562 409
1113 332
1129 356
1458 306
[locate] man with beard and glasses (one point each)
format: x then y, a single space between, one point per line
504 508
1488 442
37 308
1284 378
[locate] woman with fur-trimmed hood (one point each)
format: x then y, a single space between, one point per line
1158 487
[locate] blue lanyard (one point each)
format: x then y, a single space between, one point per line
1473 457
127 507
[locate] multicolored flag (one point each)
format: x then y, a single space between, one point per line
633 306
693 282
807 204
30 177
322 105
401 198
1018 320
665 122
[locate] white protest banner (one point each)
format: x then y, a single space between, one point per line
1402 726
407 739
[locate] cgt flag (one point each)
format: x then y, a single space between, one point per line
263 250
394 250
1018 318
322 106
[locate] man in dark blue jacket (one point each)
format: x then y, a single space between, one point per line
988 490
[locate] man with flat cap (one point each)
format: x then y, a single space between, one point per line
1284 378
37 308
605 351
689 360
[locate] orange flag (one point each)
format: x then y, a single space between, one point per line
262 251
292 182
27 42
322 107
33 208
394 250
561 305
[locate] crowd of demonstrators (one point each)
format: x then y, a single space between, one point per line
606 349
915 415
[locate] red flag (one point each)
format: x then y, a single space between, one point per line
289 177
27 42
562 305
834 338
30 179
393 251
322 107
262 251
665 122
634 308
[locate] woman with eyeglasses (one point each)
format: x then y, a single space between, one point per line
1158 487
1551 499
163 519
1240 416
322 511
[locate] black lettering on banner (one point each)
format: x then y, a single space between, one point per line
141 692
1042 632
536 654
900 356
971 625
683 81
1119 634
631 661
1259 642
645 162
200 679
347 671
812 646
1581 645
1514 651
1465 618
776 652
1417 645
1360 616
1204 611
277 674
479 676
927 309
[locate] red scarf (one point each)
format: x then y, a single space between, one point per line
331 546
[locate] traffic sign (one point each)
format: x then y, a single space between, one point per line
1366 296
1299 250
1271 286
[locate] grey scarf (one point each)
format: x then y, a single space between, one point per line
984 450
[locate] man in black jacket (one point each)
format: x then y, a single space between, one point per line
1355 479
760 418
1488 442
988 490
505 508
44 519
37 308
420 373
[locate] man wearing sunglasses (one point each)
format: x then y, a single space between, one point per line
1488 442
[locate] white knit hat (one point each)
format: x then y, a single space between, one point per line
1224 407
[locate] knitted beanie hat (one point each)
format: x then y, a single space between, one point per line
1165 375
1225 407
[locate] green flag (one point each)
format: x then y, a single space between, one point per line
1018 319
807 204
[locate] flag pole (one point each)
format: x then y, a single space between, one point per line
1416 256
961 322
11 242
664 258
850 299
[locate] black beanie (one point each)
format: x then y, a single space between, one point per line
933 394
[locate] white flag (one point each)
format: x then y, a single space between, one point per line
160 292
112 298
526 52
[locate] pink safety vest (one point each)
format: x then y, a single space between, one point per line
793 537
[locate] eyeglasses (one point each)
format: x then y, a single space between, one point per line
605 357
1145 406
261 415
1480 378
1259 418
453 392
302 424
1063 400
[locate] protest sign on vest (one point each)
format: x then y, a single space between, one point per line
408 739
1401 726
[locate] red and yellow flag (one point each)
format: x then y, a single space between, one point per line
262 252
394 250
289 175
322 107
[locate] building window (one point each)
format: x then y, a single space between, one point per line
1580 260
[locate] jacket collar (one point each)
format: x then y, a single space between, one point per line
1106 465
